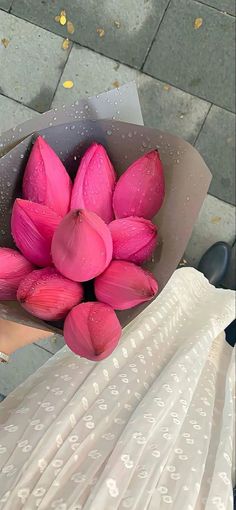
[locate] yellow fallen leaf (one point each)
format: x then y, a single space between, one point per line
70 27
66 44
101 32
57 19
166 87
116 84
68 84
198 23
215 219
62 20
5 42
117 24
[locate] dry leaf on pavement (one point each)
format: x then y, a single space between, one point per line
101 32
198 23
5 42
68 84
66 44
70 27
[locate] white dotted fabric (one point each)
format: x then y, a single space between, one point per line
151 427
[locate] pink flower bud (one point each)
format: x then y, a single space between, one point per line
124 285
82 246
140 190
92 330
94 183
134 239
13 268
33 226
46 180
48 295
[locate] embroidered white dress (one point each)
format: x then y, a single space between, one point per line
151 427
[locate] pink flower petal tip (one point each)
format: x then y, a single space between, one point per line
48 295
124 285
94 183
140 190
134 239
33 226
13 269
82 246
92 330
46 180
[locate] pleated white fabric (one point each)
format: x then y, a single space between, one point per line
151 427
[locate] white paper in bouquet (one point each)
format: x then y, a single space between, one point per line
151 427
121 103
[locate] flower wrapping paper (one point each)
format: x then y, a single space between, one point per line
186 175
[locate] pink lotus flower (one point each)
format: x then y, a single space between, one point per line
13 268
124 285
92 330
33 226
134 239
46 294
46 180
140 190
94 183
82 246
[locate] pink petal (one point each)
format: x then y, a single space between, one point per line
33 226
46 180
13 268
82 246
134 239
124 285
48 295
92 330
94 183
140 190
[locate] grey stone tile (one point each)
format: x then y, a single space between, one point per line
216 222
222 5
164 107
23 363
12 113
137 22
216 143
31 64
53 344
5 4
200 61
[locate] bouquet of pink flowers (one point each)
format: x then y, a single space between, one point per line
73 240
97 229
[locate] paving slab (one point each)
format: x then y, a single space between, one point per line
216 143
52 344
222 5
200 61
31 64
5 4
13 113
23 363
164 107
216 222
122 30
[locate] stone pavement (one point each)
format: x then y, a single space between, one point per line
181 55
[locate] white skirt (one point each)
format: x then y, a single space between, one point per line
150 428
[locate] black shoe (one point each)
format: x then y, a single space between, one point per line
215 262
